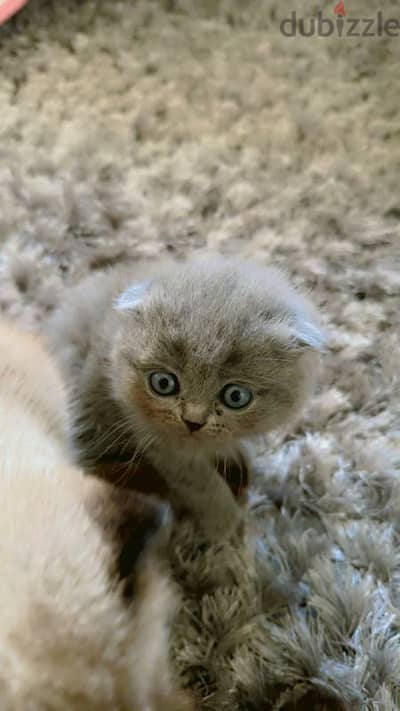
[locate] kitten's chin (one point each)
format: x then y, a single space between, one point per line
206 444
189 441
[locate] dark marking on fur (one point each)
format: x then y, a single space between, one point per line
236 474
235 357
178 350
136 531
132 523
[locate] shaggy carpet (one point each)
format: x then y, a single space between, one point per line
131 129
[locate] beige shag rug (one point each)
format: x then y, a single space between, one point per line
134 128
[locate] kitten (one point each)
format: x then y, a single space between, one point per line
183 366
85 605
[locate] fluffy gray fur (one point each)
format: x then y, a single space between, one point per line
208 323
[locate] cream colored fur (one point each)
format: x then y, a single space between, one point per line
68 640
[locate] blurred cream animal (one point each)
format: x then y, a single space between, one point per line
84 603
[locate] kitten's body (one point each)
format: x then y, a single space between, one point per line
210 323
69 636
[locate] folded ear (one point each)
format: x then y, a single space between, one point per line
132 297
298 333
308 335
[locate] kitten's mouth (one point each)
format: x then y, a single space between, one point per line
177 432
202 439
194 436
180 433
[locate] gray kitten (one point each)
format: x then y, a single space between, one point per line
183 367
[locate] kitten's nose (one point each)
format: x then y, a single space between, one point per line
193 426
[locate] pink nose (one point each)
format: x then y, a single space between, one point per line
193 426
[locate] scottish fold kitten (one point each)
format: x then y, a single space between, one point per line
177 365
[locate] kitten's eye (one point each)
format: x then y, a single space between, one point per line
164 383
236 396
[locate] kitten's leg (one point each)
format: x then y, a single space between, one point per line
206 489
141 476
195 485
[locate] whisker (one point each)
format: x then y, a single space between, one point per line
123 431
134 462
114 442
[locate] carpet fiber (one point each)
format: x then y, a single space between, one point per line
131 129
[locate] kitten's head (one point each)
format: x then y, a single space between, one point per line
212 350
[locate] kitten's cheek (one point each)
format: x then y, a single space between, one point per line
154 414
146 405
